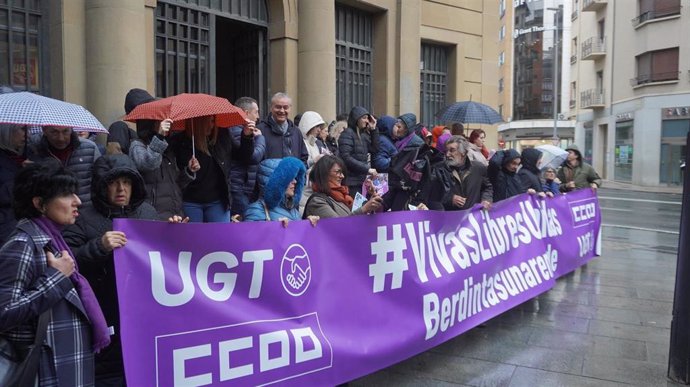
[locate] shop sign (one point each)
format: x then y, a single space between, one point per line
625 117
675 113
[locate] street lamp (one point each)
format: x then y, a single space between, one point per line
558 12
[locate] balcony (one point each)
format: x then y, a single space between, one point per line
643 79
656 14
573 59
572 103
592 99
593 5
573 15
594 48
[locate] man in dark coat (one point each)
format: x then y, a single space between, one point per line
529 172
356 145
242 173
117 191
74 153
283 137
503 167
460 183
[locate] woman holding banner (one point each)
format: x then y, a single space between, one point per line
331 199
43 298
281 182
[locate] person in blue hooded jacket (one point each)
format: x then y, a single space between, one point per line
281 183
381 160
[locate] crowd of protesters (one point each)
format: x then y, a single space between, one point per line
270 169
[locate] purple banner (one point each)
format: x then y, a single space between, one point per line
257 304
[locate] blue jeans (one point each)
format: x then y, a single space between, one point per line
214 212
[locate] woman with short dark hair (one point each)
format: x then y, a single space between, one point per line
331 199
38 280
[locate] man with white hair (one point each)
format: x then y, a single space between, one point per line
283 137
465 181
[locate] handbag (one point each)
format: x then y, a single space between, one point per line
18 372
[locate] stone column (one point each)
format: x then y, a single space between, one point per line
282 36
409 51
115 54
316 57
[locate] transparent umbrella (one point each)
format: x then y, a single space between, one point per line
552 156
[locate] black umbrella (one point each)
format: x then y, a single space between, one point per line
469 112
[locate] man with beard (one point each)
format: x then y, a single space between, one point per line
461 182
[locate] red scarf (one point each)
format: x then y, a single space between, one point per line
339 193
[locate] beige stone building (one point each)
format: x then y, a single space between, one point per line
630 90
388 55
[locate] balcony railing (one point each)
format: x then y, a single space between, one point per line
642 79
592 98
593 5
572 103
573 58
594 48
656 14
573 15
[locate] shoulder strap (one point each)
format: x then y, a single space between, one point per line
268 215
26 371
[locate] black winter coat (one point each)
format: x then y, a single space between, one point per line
470 182
529 172
355 146
80 162
8 170
279 144
222 154
95 263
506 184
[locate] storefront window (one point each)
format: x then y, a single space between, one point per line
20 60
673 150
623 151
588 145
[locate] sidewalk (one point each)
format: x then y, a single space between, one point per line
639 188
606 324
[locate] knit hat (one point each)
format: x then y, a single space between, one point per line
136 97
409 119
308 121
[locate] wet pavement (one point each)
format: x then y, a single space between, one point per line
606 324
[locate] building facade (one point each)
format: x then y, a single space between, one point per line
630 93
387 55
532 76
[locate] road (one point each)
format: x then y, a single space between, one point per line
606 324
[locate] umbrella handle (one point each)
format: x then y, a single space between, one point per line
193 147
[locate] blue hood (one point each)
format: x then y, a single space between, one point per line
276 174
385 125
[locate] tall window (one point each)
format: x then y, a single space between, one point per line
657 66
573 94
182 50
502 32
501 58
353 58
500 85
434 81
501 8
21 62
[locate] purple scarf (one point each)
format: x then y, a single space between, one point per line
99 328
400 145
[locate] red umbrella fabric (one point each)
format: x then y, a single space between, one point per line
184 106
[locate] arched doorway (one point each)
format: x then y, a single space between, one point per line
212 46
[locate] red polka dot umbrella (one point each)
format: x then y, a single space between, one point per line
184 106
